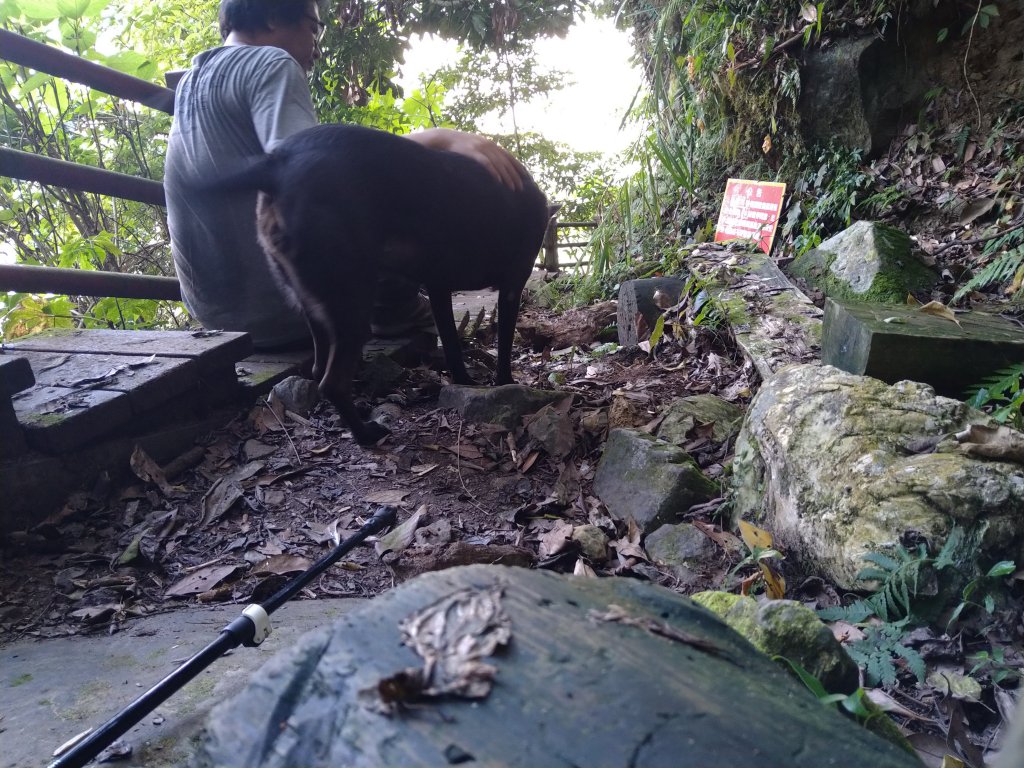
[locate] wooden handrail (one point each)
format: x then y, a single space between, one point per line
84 282
52 61
84 178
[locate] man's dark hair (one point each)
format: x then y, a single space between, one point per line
256 15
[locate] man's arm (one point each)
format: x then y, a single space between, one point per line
494 158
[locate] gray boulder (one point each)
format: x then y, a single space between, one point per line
648 480
505 405
837 465
296 394
684 549
867 262
685 414
595 672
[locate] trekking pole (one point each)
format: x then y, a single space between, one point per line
249 629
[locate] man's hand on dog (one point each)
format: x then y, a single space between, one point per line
502 165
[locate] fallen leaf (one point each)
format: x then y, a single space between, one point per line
402 536
451 636
149 471
938 309
755 537
202 580
282 565
1000 442
393 497
555 540
219 499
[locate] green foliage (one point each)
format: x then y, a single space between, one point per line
994 664
825 196
899 582
913 587
987 587
1005 391
1000 267
879 651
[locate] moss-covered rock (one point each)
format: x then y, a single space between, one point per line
831 464
789 629
866 262
648 480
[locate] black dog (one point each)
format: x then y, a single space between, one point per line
341 204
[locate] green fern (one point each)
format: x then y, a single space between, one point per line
999 270
1004 389
878 652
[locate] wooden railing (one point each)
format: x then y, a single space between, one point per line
83 178
551 245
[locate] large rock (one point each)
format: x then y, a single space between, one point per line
837 465
686 413
789 629
648 480
595 672
683 549
505 405
866 262
860 91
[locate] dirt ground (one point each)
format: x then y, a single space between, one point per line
267 494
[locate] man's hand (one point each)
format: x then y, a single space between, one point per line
502 165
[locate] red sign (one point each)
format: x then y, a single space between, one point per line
750 211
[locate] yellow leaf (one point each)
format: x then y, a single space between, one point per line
938 309
753 536
911 301
766 145
775 584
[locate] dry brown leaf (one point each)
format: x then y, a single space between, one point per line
393 497
451 636
727 541
282 565
201 581
555 540
1002 443
938 309
754 536
402 536
149 471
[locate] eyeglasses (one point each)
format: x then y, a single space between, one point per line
321 27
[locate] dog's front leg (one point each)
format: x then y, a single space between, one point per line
444 319
508 313
345 324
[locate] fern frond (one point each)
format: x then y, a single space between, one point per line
998 270
855 612
915 663
883 561
1005 381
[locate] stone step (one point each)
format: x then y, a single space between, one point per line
895 343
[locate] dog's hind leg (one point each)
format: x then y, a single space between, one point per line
444 319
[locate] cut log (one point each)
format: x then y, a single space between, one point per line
637 299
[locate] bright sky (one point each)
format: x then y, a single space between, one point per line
585 115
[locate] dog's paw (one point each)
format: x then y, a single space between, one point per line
370 433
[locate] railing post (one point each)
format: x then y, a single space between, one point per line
551 245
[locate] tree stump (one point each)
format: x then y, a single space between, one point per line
638 309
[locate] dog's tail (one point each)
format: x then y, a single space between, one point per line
260 175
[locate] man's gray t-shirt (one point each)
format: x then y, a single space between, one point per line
236 103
